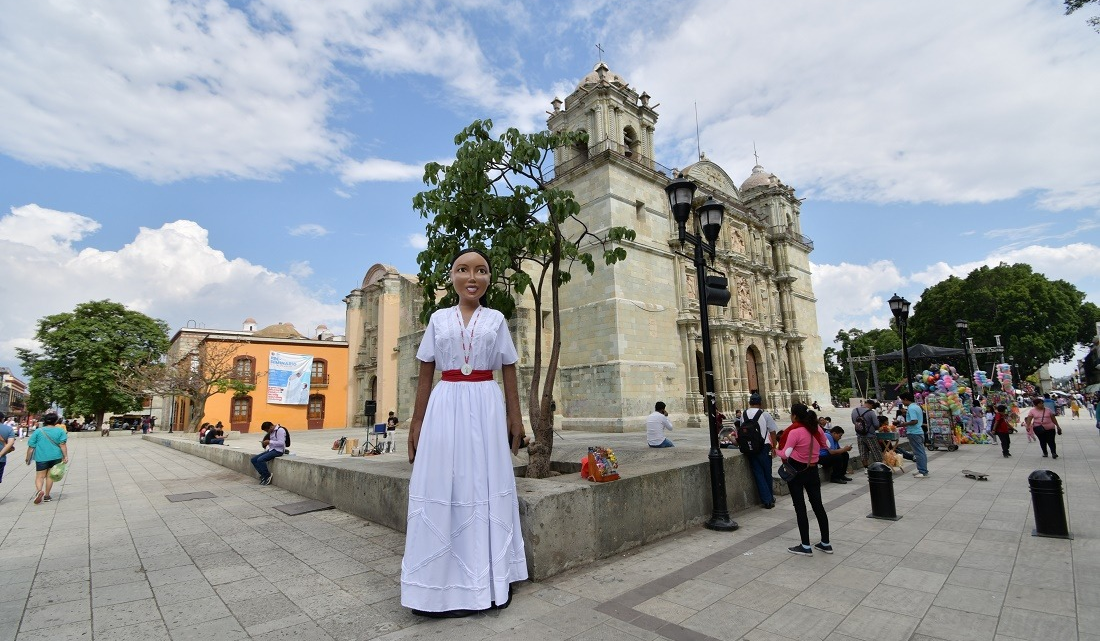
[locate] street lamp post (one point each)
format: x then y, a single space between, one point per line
899 307
963 326
680 192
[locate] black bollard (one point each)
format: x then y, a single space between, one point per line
1046 502
880 478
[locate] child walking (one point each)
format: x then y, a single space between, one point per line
1003 429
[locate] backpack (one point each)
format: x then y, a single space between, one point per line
862 429
749 440
287 432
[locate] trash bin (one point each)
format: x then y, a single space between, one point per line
1048 505
880 479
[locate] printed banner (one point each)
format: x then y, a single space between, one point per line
288 378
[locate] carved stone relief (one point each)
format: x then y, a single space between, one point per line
744 299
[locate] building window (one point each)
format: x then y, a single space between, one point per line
242 410
319 374
244 369
316 409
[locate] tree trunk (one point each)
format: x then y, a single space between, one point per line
198 411
542 417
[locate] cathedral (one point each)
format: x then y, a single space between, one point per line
630 331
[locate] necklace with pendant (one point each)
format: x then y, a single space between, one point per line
467 351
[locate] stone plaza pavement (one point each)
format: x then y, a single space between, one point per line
112 558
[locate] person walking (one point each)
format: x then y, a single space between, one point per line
47 447
865 421
914 431
274 447
7 444
463 543
756 440
1044 423
655 426
804 440
1002 428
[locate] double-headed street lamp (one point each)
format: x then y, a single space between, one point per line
899 307
681 193
963 326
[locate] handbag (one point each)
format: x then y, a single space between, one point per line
57 472
787 472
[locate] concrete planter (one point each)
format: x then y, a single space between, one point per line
566 520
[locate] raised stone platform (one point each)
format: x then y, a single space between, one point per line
567 521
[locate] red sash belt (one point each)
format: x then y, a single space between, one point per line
476 376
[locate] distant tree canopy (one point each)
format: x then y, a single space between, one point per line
860 342
1074 5
1038 320
83 353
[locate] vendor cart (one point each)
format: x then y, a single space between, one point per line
941 428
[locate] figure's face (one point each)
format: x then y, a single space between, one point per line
470 277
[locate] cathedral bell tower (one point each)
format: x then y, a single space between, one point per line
613 115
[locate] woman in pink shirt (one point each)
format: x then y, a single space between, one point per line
801 450
1044 423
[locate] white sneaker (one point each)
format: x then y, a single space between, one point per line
919 475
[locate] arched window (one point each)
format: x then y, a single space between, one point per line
581 148
319 374
244 369
631 142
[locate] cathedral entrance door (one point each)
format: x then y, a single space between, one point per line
752 370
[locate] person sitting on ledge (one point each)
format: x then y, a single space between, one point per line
656 425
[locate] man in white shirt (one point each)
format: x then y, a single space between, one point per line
761 461
656 425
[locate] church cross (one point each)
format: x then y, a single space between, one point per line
601 51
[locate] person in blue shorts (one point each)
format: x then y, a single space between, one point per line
47 446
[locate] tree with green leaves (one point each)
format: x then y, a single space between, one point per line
498 196
1039 320
1074 5
82 354
858 342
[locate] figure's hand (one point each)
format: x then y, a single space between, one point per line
847 448
414 439
515 435
65 460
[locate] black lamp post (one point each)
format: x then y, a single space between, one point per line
680 192
899 307
963 326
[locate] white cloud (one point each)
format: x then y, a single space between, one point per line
170 273
172 89
300 269
45 228
851 295
880 102
855 295
417 241
309 229
161 89
380 170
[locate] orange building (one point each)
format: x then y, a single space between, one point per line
251 352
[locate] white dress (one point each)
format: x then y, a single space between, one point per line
463 544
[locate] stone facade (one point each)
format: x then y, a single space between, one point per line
630 331
382 310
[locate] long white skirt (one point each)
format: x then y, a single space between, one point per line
463 545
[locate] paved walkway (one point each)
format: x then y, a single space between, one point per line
111 558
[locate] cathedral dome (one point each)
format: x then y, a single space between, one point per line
600 74
279 330
759 178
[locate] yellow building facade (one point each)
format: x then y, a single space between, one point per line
251 350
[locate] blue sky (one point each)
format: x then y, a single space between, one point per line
207 161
